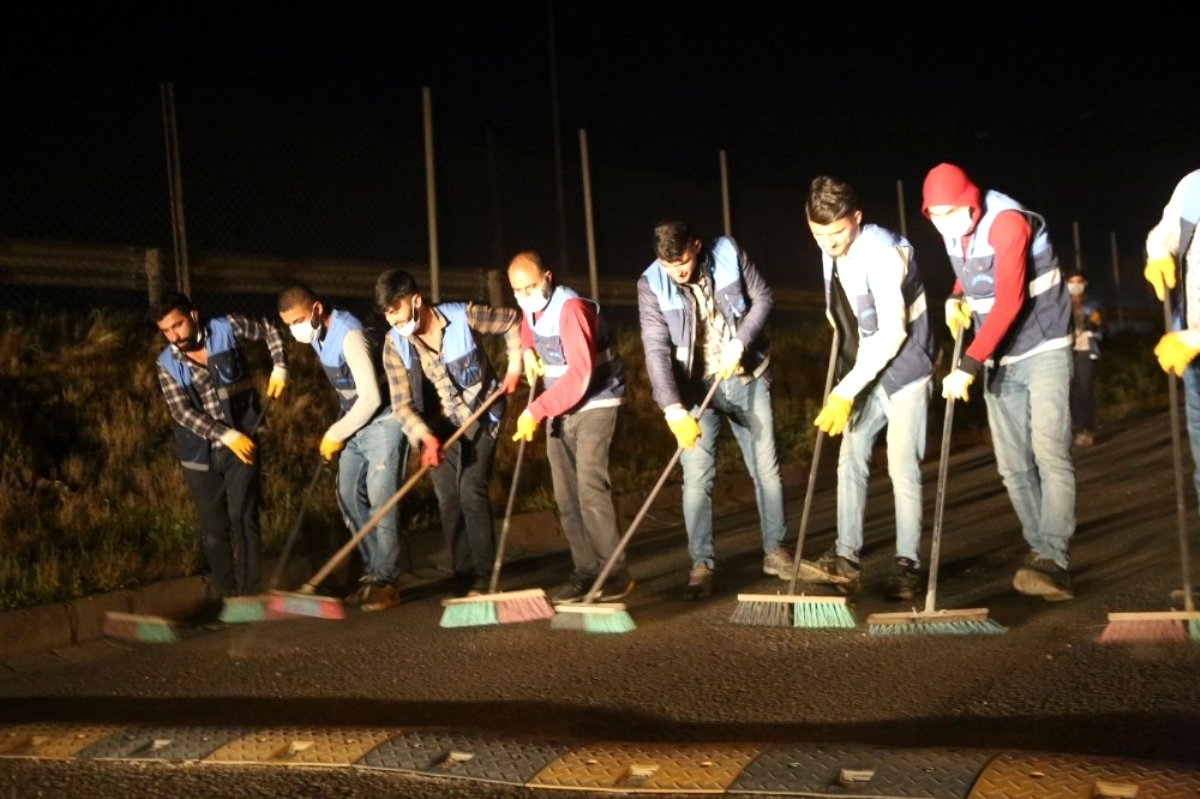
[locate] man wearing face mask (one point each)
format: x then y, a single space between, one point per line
438 374
566 339
1008 284
703 310
1085 328
210 393
365 439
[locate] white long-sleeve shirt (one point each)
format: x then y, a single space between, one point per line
366 383
884 268
1163 241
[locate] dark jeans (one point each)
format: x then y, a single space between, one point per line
226 498
461 484
577 448
1083 394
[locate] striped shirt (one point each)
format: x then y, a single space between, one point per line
209 422
483 319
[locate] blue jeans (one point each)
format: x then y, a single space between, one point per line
748 409
368 475
1030 417
905 421
1191 407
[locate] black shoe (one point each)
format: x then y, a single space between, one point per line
616 587
904 582
479 586
462 584
843 572
1043 577
700 582
575 589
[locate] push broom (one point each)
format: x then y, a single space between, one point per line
932 620
242 609
792 609
1168 625
305 601
497 607
591 615
158 629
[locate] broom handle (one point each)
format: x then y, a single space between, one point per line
512 500
939 504
294 533
348 547
812 468
594 593
1177 457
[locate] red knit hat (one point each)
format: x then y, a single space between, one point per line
947 184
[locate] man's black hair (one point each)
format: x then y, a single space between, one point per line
296 294
672 238
393 286
830 199
171 301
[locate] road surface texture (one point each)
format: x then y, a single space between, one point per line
687 675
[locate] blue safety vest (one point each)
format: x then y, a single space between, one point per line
330 350
232 381
1046 314
723 265
607 383
914 361
466 364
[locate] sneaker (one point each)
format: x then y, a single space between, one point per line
380 596
1084 439
904 582
480 586
355 598
1043 577
779 564
575 589
832 568
616 587
700 582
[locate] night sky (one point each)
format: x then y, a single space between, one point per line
1081 113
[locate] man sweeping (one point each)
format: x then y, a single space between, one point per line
365 439
567 341
875 300
438 374
209 389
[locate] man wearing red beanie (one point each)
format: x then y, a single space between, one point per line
1009 285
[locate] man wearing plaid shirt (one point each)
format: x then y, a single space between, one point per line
210 394
439 374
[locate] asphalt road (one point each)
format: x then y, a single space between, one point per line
687 673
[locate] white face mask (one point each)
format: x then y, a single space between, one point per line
408 328
534 301
1075 288
304 332
955 225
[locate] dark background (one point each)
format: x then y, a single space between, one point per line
301 128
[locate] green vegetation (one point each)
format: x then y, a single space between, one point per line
92 498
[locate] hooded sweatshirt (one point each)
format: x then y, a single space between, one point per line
1010 234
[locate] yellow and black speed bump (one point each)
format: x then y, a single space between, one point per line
328 746
450 754
648 768
51 741
1032 775
863 771
163 743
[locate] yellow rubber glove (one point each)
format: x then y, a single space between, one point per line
958 316
533 366
329 447
731 356
833 417
684 426
1174 353
526 427
956 384
276 382
241 446
1160 273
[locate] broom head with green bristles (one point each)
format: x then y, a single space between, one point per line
592 617
505 607
1168 626
793 610
244 609
965 621
305 602
134 627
